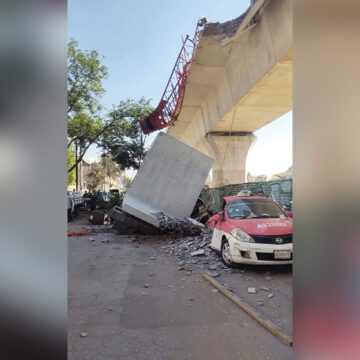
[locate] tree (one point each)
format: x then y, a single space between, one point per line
70 162
127 182
117 132
124 139
256 178
85 77
95 177
111 169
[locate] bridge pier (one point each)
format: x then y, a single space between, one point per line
229 150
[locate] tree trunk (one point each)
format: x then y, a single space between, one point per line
77 168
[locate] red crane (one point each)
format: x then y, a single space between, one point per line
172 99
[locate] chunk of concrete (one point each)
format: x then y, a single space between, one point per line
197 253
169 181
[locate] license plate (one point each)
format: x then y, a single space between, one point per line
282 254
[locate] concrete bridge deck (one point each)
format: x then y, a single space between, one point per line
241 80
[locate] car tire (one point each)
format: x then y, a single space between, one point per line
225 254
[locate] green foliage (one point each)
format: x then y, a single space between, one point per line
85 76
114 200
101 203
118 132
124 140
70 162
95 177
84 127
111 169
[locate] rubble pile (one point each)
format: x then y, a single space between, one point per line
226 29
194 251
103 229
171 225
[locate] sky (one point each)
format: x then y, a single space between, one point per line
139 41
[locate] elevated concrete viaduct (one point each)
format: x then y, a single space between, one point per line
240 80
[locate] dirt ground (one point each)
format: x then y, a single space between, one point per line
128 300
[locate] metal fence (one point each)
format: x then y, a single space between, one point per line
279 190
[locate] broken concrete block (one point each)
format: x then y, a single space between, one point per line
197 253
252 290
270 296
203 243
83 334
169 181
265 288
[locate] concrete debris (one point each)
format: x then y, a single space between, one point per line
268 278
203 243
145 293
197 253
265 288
171 225
215 291
270 296
252 290
226 29
214 274
83 334
206 258
146 285
103 229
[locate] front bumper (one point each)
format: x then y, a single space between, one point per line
260 254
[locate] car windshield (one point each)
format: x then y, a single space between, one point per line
253 208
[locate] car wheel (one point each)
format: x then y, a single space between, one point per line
225 254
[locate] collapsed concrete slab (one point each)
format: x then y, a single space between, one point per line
168 182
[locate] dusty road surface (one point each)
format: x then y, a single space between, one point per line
129 300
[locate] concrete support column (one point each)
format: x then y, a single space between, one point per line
229 152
